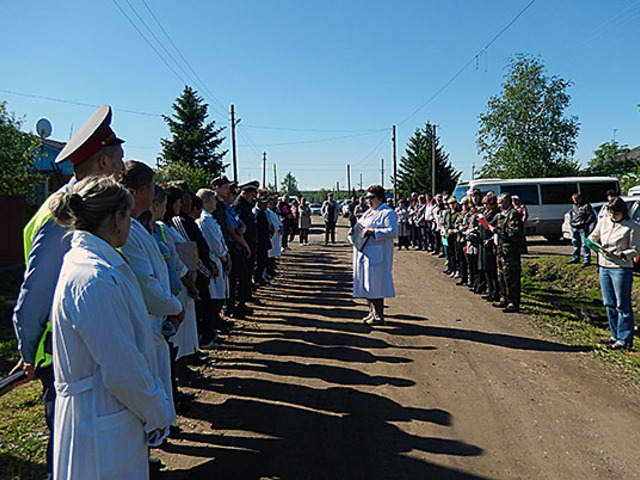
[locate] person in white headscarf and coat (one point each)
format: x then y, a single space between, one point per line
110 405
372 265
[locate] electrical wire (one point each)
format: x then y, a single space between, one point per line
292 129
81 104
166 34
470 62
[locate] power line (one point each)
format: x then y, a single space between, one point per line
373 151
149 43
166 34
320 140
470 62
81 104
291 129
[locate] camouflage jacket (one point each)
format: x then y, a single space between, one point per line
510 230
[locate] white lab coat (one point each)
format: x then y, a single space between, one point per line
108 395
152 273
212 233
372 268
186 338
276 239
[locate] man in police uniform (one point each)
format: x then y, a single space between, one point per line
93 150
244 207
510 230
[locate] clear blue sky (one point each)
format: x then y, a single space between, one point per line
328 78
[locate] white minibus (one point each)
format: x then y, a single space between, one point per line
547 199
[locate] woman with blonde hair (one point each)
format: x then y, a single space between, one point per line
110 404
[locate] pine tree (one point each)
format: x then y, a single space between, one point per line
289 185
414 170
195 141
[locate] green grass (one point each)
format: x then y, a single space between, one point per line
555 293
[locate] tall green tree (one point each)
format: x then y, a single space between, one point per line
525 132
195 140
18 153
414 169
610 159
289 185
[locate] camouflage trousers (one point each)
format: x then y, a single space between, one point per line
509 266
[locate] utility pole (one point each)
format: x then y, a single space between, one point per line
264 170
337 190
361 182
382 173
349 179
395 167
234 122
473 171
433 159
275 178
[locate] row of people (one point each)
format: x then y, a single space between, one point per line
104 313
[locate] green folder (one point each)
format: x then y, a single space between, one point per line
596 247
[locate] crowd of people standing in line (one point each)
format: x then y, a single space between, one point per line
127 284
481 238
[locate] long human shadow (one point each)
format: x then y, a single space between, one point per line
300 432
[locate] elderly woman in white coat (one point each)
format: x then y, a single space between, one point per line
149 267
372 265
110 403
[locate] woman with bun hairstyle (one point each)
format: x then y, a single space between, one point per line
109 403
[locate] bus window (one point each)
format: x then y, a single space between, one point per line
460 191
593 192
557 193
484 189
528 194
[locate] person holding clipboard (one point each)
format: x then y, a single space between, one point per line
373 238
616 239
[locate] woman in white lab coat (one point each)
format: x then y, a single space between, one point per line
372 267
109 403
149 267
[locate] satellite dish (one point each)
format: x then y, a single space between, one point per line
43 128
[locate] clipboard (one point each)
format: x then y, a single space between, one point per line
356 238
187 253
596 247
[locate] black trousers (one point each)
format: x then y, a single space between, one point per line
329 231
304 235
239 279
48 397
204 312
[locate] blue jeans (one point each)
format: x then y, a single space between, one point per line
577 240
615 284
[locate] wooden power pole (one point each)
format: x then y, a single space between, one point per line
395 167
233 143
264 170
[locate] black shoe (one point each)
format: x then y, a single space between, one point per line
511 308
244 309
573 261
619 346
461 283
499 305
607 341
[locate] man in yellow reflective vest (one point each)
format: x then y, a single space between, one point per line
93 150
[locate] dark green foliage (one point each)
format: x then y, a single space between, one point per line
18 153
525 133
414 170
610 158
289 185
194 140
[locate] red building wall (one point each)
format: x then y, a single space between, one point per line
14 209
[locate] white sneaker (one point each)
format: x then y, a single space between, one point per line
374 320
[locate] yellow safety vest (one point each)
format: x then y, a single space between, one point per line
44 352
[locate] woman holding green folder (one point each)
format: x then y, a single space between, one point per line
617 241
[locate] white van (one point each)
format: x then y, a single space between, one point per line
547 199
633 191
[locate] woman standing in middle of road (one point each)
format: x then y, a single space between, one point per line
372 267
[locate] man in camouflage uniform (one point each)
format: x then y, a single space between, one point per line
510 230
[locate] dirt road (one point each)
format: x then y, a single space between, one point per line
450 388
